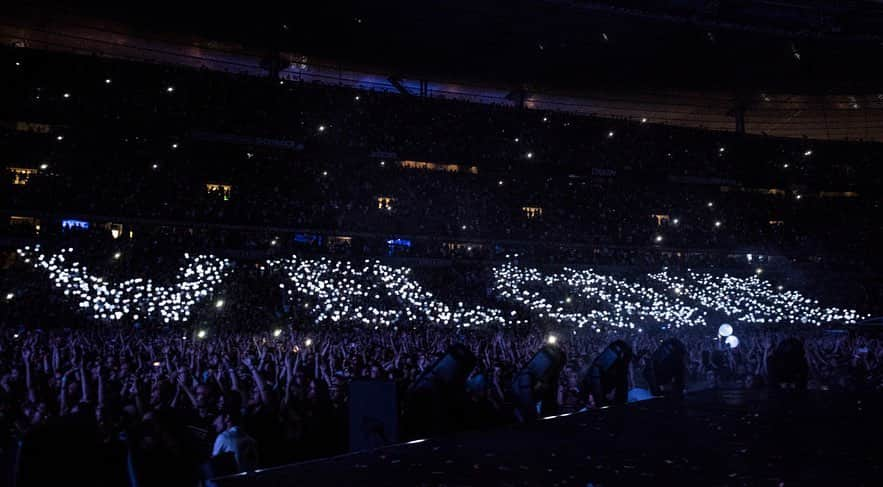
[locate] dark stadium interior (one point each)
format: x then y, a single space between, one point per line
539 242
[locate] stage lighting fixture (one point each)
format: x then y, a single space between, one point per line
608 373
666 371
436 399
788 367
537 382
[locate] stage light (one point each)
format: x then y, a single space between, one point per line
725 330
732 341
155 166
321 128
308 342
201 334
324 173
676 221
710 204
758 271
537 382
807 153
277 332
545 119
60 137
435 399
517 139
67 95
170 89
666 371
658 238
552 339
788 367
643 119
357 97
156 364
610 134
717 224
530 155
107 81
219 303
609 373
44 166
174 146
721 149
117 256
500 182
9 296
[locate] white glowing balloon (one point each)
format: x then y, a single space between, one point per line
725 330
732 341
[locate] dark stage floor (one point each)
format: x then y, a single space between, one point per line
711 438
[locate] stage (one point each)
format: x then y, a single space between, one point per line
710 438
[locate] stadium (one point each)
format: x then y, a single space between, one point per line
462 243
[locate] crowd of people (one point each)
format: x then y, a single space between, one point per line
172 397
265 379
327 158
258 376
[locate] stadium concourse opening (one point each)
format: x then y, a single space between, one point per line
568 243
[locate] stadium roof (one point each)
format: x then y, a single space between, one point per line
795 70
